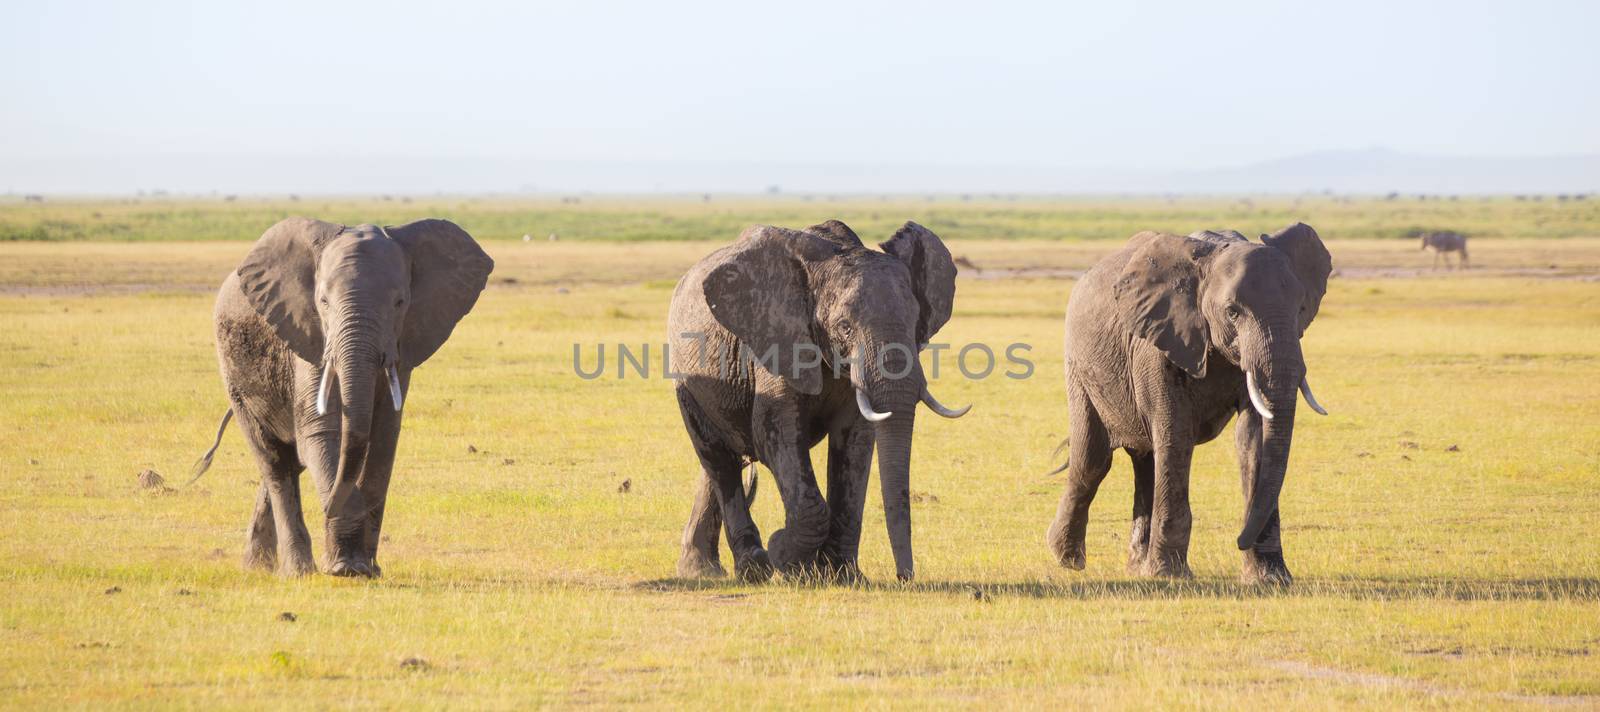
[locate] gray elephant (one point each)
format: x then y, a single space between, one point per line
1167 339
1445 242
317 333
836 328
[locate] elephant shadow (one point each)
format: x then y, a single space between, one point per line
1358 589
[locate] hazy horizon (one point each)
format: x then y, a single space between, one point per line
638 97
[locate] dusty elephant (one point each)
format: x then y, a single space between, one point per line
317 333
1167 339
836 328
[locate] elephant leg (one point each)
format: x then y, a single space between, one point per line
806 517
1089 459
1264 563
344 532
1144 485
849 469
261 549
720 495
1171 518
280 483
703 532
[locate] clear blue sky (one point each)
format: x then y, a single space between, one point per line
1138 85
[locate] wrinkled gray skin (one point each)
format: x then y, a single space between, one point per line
1159 338
313 296
1443 242
821 287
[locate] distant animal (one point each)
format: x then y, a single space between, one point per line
318 331
842 324
1167 340
32 198
1445 242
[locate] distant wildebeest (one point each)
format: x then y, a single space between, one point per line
1443 242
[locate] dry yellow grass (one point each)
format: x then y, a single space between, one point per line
519 575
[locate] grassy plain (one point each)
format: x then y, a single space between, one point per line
1440 522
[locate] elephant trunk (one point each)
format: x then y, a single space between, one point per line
357 361
893 438
1275 370
889 384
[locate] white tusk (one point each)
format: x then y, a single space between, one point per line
394 387
1255 395
866 408
939 408
1311 400
324 387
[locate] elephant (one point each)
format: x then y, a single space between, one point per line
1166 339
1443 242
317 333
836 328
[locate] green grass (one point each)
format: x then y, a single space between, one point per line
1425 575
990 217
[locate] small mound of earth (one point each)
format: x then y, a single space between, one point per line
152 481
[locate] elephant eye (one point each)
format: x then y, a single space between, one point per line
1233 312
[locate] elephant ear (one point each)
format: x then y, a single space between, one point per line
933 276
761 295
448 272
1158 294
279 279
1311 264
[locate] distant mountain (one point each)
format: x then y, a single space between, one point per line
1380 170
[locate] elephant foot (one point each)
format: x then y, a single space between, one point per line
755 567
1265 567
695 564
296 566
789 558
353 567
839 570
1069 553
1171 566
257 558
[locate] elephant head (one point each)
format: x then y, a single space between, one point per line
1215 295
359 302
806 301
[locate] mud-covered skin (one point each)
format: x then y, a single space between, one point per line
310 294
842 294
1159 337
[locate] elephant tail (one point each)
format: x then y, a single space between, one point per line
1064 463
204 463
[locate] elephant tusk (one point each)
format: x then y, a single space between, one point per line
394 387
866 408
325 387
937 407
1311 400
1255 395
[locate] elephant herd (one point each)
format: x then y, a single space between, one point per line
780 340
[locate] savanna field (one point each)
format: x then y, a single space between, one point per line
1440 522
